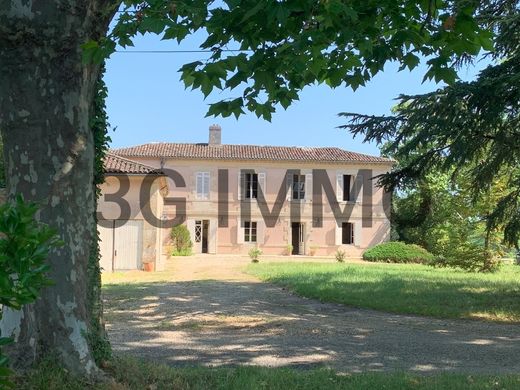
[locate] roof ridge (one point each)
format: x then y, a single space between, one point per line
248 152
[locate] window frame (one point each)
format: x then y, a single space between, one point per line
204 194
250 231
298 179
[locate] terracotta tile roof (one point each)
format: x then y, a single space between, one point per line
248 152
118 164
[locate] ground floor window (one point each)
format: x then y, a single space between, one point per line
249 231
347 233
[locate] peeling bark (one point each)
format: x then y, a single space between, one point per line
45 101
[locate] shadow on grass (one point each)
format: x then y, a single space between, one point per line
220 323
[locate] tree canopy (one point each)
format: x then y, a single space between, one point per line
472 127
284 46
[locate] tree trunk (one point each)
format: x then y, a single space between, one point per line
45 102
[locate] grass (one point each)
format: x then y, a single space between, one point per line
130 373
400 288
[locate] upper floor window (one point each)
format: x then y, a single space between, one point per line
347 180
250 231
298 187
202 184
251 185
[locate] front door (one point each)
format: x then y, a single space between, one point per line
297 238
201 236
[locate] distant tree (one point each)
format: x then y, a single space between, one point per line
51 55
441 214
466 127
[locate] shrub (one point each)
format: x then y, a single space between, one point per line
24 247
254 254
182 252
181 241
468 258
289 249
340 255
398 252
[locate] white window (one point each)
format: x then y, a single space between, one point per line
298 187
250 231
202 185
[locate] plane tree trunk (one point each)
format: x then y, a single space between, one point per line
46 95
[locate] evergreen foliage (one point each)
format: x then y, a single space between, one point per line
398 252
467 126
181 240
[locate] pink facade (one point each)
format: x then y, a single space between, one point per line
251 170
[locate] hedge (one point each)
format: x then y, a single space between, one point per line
398 252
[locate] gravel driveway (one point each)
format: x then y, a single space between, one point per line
205 310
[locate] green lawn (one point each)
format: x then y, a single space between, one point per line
399 288
134 374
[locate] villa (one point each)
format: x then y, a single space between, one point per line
302 200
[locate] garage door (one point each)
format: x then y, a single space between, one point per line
121 245
106 245
128 239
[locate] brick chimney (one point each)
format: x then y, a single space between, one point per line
215 135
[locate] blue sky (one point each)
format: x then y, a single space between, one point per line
148 103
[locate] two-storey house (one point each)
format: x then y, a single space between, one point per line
302 200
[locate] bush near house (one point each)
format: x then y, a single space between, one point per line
254 254
340 256
398 252
181 241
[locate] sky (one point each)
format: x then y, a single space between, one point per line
147 102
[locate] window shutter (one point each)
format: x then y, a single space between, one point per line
289 186
308 187
339 187
198 185
261 183
190 224
357 233
358 187
240 185
338 233
206 192
240 231
212 239
260 233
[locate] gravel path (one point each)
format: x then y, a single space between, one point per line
211 313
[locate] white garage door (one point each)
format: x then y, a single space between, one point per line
122 245
128 248
106 245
